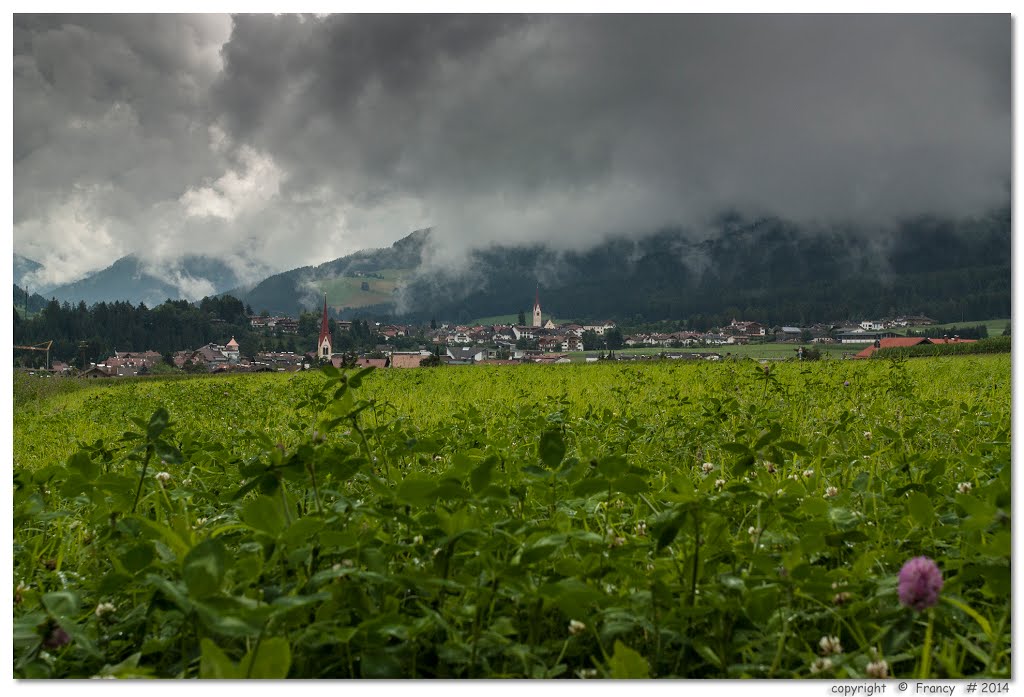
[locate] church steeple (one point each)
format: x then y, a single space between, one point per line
536 308
323 344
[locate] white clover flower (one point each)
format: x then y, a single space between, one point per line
821 665
867 435
418 540
576 627
719 483
794 477
162 477
618 541
104 609
964 487
877 670
641 528
830 645
831 492
707 467
584 673
808 473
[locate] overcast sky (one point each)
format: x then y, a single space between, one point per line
279 141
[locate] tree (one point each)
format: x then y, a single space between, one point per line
522 318
613 339
431 361
591 341
1006 332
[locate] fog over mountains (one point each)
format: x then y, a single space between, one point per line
767 268
167 137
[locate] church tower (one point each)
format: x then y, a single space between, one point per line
323 344
536 309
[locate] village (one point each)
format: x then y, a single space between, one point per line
541 340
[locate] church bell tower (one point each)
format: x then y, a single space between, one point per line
323 344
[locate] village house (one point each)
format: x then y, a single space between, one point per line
95 371
788 334
373 362
284 325
859 336
286 362
408 359
464 355
748 329
211 355
550 358
572 343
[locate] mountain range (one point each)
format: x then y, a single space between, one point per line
23 268
768 269
133 280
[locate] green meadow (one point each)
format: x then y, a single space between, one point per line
610 520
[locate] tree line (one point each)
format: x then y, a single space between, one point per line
82 335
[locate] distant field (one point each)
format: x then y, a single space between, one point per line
775 350
995 326
347 291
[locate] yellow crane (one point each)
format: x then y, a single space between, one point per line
39 347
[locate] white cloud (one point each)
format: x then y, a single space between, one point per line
84 241
252 186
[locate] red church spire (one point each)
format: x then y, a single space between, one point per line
325 331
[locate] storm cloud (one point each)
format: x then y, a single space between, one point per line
280 141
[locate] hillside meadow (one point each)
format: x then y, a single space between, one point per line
668 519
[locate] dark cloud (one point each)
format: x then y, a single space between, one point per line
342 132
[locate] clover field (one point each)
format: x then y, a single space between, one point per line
686 520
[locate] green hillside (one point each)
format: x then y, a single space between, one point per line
361 289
